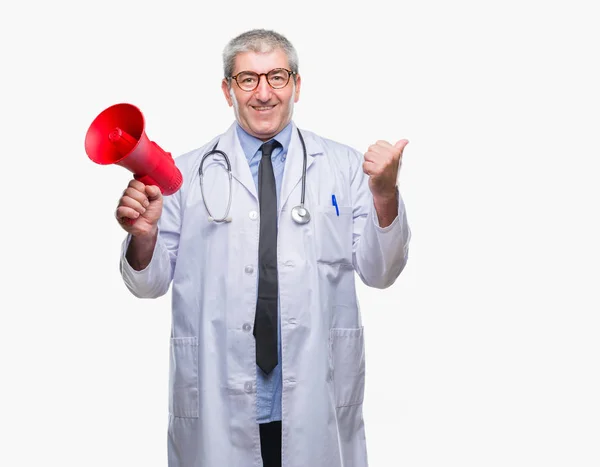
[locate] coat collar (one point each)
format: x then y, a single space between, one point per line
292 173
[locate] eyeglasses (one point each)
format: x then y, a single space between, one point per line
277 78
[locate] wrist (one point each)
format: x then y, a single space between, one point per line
386 207
141 249
386 197
149 235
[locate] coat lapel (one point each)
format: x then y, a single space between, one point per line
230 145
292 173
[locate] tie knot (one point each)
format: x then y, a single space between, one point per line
267 148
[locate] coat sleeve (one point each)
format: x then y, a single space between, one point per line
379 254
154 280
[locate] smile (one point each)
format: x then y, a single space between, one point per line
263 108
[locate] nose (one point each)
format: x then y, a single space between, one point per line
263 90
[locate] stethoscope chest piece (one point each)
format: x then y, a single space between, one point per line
300 215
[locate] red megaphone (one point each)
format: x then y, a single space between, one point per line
116 136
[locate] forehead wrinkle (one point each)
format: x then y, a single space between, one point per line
280 59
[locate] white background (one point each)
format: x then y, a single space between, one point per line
485 352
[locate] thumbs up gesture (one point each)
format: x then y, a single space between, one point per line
381 164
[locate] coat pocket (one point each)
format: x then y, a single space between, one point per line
347 360
183 377
333 234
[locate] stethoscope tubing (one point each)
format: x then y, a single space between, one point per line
226 217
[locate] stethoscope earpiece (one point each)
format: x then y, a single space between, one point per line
300 214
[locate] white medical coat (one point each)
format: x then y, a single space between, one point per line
213 267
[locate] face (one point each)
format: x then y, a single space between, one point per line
265 111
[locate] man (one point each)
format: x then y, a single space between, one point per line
267 348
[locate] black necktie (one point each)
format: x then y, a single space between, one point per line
265 320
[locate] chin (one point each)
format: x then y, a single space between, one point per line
265 131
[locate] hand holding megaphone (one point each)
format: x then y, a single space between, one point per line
139 208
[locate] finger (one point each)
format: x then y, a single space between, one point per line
401 145
383 144
370 156
134 204
126 214
365 167
382 155
370 168
136 185
153 192
379 147
135 194
126 221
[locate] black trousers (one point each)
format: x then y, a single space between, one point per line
270 444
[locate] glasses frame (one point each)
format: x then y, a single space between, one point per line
234 77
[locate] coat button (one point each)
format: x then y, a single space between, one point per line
253 215
249 269
247 327
248 386
292 321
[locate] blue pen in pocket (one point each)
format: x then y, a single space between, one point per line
334 203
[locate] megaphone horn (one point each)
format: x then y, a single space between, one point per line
116 136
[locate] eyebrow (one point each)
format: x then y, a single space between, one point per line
264 73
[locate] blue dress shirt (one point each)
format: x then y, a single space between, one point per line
268 387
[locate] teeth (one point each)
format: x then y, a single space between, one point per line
263 108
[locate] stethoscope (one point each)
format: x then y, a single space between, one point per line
300 214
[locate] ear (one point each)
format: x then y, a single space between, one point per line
225 89
297 93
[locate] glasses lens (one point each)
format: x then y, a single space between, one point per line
247 80
278 78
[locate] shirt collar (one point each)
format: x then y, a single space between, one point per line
251 145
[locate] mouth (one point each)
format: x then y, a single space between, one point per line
263 108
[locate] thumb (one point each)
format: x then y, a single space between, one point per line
401 145
153 192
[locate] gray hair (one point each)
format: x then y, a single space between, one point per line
259 41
